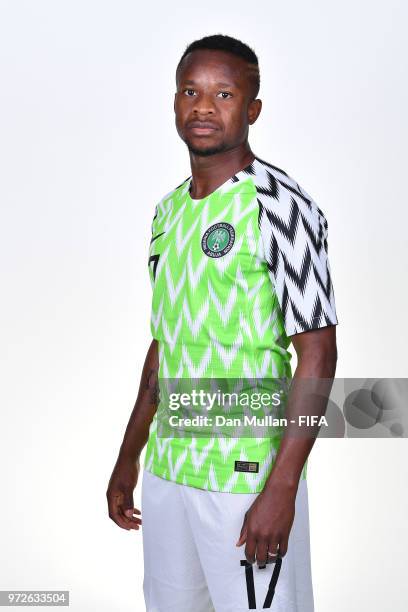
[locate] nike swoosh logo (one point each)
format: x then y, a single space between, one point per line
155 260
157 236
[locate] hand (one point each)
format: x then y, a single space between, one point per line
120 494
267 524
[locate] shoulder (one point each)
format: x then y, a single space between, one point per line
161 206
281 196
176 190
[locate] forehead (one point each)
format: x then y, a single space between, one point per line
214 65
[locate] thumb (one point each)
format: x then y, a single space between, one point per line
128 508
243 535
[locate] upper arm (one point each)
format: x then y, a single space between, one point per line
318 343
294 234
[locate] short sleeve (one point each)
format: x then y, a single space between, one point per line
154 219
153 259
294 234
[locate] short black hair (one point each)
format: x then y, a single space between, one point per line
222 42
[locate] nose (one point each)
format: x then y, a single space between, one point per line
204 105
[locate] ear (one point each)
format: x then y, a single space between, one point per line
254 110
174 105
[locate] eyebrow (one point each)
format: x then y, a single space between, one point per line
232 84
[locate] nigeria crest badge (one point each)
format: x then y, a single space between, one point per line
218 239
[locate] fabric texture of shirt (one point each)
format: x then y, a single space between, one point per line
234 275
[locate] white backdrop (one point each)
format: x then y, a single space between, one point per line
87 147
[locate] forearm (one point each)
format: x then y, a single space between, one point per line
308 395
137 430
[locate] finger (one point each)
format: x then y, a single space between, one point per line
129 513
121 520
283 547
134 520
116 513
134 510
124 503
131 521
261 552
273 551
250 548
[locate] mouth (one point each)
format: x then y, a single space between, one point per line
202 128
202 131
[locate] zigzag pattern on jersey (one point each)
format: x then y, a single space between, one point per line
223 317
216 354
296 250
192 309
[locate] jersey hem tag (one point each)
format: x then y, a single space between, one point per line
246 466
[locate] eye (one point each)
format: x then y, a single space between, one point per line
189 91
227 93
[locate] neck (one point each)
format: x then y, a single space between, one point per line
208 173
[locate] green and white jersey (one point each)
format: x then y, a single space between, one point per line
234 275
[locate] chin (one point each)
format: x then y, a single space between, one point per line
205 151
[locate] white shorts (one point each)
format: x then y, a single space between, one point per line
191 563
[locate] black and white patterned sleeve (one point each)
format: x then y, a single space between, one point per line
294 234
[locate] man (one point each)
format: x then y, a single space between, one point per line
239 269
